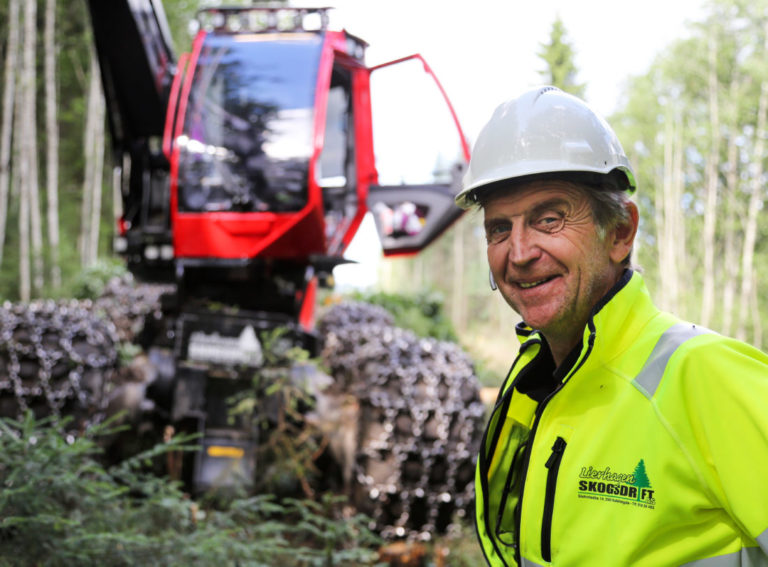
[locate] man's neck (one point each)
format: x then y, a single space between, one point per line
561 349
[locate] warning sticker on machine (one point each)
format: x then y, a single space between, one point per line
244 349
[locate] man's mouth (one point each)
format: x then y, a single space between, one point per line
529 285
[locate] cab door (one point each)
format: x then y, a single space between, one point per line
420 154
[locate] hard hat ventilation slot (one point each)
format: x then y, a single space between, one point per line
545 90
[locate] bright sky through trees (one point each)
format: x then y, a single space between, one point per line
486 51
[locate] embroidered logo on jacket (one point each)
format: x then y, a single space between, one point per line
606 485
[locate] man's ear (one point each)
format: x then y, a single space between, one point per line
623 236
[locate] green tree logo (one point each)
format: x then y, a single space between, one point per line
641 478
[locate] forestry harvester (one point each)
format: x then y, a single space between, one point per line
245 167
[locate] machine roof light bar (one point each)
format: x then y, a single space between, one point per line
262 19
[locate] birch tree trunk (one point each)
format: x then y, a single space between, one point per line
52 137
755 205
98 171
33 186
711 180
25 287
85 207
6 128
117 194
458 289
678 232
670 232
28 158
93 166
732 211
662 186
757 323
730 260
22 182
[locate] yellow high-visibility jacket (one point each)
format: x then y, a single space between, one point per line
652 450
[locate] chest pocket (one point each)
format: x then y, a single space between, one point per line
505 473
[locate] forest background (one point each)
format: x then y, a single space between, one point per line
693 125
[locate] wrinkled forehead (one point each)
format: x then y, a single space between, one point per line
522 197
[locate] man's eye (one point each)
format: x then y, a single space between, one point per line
550 222
497 232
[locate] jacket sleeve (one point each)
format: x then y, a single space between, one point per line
720 399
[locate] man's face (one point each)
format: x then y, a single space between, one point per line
547 258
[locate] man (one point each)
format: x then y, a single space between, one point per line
622 435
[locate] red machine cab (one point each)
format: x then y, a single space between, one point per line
272 152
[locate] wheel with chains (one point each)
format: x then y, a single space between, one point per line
128 304
56 358
420 420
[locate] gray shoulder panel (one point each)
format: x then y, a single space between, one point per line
649 377
747 557
762 540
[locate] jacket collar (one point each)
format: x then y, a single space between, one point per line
616 322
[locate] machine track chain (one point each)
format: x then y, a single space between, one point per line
128 304
420 420
56 358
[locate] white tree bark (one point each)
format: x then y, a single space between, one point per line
711 181
98 171
755 205
28 158
90 208
670 231
33 187
52 137
458 289
10 74
678 232
660 217
730 253
117 193
757 323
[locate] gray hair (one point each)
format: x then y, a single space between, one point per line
609 208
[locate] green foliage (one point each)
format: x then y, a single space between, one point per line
90 283
180 13
559 56
331 532
59 506
422 312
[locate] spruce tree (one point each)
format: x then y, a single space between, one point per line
559 56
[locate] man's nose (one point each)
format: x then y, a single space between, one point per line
523 246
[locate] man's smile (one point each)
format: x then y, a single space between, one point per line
529 285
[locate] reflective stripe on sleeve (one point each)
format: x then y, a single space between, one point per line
762 541
747 557
649 377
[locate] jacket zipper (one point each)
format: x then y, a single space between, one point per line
529 447
507 397
553 464
526 460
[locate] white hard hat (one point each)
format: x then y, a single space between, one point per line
543 131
